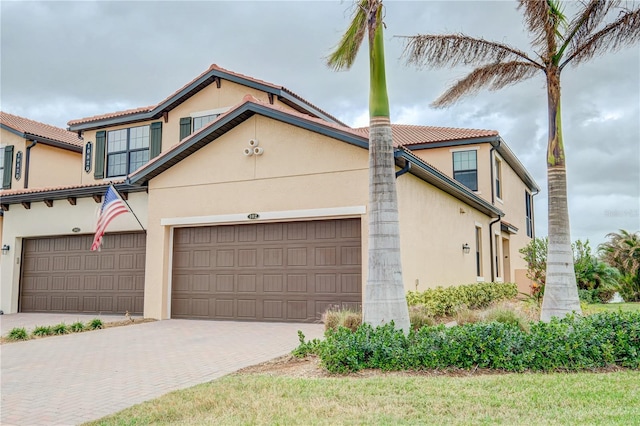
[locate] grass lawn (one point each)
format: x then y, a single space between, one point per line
614 307
513 399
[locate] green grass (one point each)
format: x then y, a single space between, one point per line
513 399
609 307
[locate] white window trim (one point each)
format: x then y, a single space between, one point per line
469 148
209 112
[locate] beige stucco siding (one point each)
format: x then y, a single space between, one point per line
433 230
299 170
50 166
42 221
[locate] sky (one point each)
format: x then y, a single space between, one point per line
66 60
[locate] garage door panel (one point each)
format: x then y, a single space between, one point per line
273 272
61 274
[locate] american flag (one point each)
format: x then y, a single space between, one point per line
111 207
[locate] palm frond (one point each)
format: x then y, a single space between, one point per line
494 77
347 49
585 22
623 32
542 19
437 51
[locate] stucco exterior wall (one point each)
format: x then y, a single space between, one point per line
299 170
42 221
433 230
50 166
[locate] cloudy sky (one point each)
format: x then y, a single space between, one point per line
67 60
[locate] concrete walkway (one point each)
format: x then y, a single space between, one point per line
80 377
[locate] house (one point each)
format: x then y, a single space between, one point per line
251 204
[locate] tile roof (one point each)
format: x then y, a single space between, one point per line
407 135
35 128
5 193
213 67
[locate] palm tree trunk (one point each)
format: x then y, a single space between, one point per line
385 299
561 290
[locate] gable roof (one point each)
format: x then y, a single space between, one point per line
251 106
213 74
44 133
411 136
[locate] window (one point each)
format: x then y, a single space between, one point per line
498 178
127 150
496 248
528 209
200 122
465 168
1 166
478 252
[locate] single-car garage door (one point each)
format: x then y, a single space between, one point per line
60 274
288 271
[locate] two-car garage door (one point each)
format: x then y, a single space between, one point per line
60 274
288 271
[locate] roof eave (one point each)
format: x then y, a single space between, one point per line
446 184
63 194
42 139
513 161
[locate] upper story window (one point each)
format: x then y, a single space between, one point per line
127 150
1 166
498 172
465 168
200 122
528 211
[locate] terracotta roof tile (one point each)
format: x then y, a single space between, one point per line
407 135
35 128
213 67
4 193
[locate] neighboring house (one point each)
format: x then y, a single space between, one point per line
254 203
36 155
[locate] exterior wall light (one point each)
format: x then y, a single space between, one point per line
5 249
465 248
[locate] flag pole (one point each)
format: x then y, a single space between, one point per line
128 206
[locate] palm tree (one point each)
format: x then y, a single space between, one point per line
623 252
385 299
556 43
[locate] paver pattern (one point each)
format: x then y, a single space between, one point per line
80 377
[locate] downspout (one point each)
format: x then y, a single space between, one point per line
26 163
491 167
404 170
533 216
491 248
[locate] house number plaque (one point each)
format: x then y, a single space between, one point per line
87 157
253 216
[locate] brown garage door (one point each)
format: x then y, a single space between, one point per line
60 274
266 272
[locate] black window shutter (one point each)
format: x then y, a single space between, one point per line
8 164
101 137
185 127
155 141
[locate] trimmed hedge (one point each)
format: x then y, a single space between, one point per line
445 301
569 344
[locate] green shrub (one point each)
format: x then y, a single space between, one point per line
61 328
18 333
588 296
508 316
446 301
95 324
629 287
77 327
305 348
569 344
42 330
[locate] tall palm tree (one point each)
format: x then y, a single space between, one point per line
599 26
385 299
623 251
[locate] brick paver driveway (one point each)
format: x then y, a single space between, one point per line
79 377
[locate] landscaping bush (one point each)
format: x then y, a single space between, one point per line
42 330
446 301
95 324
569 344
420 316
18 333
336 317
77 327
61 328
